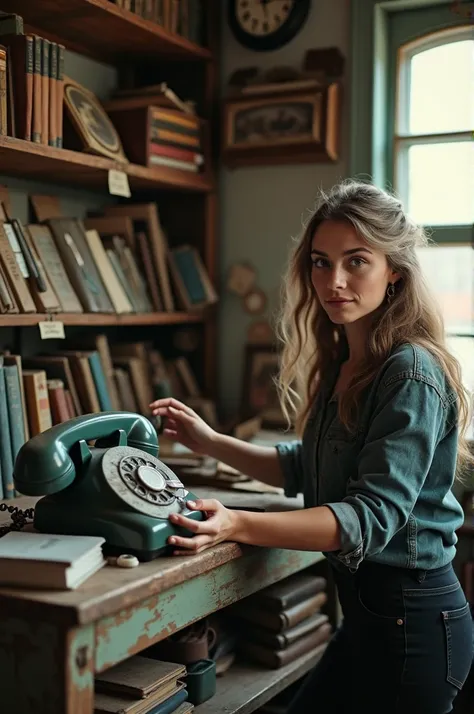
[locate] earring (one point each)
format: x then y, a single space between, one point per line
390 292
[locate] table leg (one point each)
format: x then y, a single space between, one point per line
45 668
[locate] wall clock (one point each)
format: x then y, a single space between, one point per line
264 25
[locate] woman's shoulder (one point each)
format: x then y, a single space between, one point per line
412 361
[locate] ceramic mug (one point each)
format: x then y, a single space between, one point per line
189 645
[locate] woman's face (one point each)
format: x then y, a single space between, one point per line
349 277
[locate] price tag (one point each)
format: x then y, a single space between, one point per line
118 183
51 330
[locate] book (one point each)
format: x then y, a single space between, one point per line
282 640
121 704
138 677
48 561
274 659
283 620
289 592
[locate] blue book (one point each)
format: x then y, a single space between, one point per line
6 460
171 704
15 408
100 381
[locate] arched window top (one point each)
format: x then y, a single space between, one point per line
436 84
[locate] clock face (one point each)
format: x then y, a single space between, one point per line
259 18
266 24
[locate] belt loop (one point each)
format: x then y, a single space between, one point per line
421 575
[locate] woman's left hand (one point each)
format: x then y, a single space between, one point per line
220 525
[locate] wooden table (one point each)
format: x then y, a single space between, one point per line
53 643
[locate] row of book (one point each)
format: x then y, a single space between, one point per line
182 17
31 84
89 376
118 263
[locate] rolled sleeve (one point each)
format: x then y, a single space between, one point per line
393 463
291 462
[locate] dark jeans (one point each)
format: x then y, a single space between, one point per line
405 645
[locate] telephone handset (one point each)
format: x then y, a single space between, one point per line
116 488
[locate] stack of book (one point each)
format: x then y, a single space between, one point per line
175 140
284 621
32 70
142 686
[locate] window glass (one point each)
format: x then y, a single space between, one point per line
440 188
441 94
449 272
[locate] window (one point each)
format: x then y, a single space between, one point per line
434 147
433 153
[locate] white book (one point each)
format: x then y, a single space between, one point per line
51 561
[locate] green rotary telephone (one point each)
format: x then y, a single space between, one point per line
101 475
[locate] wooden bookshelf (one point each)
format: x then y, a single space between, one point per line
25 159
99 319
101 30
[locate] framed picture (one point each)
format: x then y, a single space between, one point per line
259 392
288 126
90 121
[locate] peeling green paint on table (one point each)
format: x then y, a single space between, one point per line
133 629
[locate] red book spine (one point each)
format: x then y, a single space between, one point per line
174 152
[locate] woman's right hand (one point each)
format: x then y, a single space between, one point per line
184 425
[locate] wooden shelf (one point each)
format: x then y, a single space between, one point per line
246 687
155 318
101 30
28 160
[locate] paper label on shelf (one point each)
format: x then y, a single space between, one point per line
118 183
51 330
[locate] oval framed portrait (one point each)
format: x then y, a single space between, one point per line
90 120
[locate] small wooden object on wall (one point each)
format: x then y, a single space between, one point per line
241 279
255 301
91 123
290 125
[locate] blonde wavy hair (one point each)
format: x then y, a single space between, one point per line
311 342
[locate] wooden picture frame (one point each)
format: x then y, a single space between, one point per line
91 122
259 392
286 126
191 279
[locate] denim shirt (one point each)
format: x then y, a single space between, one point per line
389 481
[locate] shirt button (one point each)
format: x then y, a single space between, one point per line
399 621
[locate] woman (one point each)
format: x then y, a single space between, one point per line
368 382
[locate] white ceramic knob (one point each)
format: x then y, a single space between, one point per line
127 561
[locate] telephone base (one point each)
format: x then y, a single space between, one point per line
124 530
144 556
